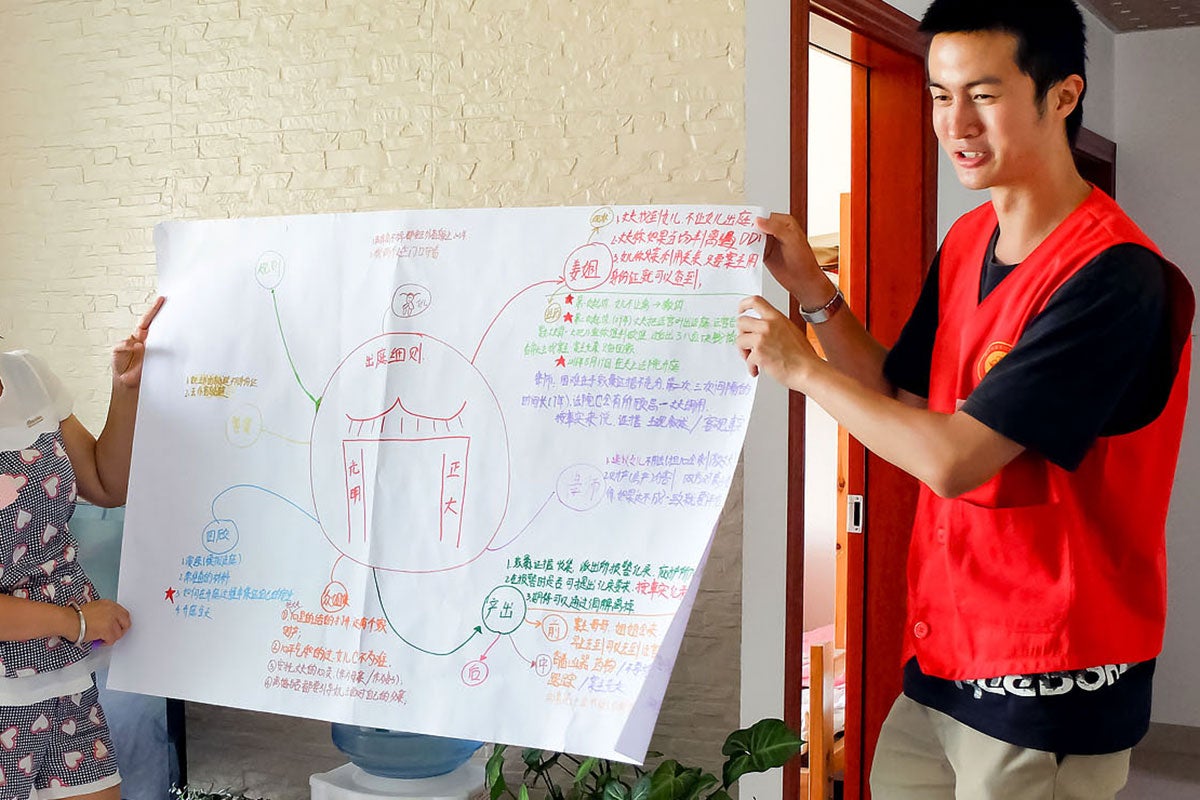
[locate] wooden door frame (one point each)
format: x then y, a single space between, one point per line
899 170
1096 159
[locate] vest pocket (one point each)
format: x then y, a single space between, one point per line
1025 481
1012 566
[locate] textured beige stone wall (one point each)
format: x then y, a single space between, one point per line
120 114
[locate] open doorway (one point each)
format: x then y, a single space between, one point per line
829 151
884 238
830 123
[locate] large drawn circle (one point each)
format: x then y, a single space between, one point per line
269 269
410 300
580 487
504 609
543 665
220 536
588 267
244 426
474 673
601 217
554 628
409 456
334 597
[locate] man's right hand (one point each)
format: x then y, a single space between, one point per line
790 259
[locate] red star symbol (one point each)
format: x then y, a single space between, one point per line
570 299
169 594
561 362
567 317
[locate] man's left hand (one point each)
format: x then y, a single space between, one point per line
772 343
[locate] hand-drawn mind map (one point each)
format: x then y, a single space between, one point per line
484 518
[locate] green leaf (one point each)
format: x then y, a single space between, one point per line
495 762
615 790
663 782
531 757
704 782
585 769
673 782
524 793
494 773
641 789
766 744
719 794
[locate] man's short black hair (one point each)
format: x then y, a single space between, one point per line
1051 40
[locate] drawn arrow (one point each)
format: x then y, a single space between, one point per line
228 489
288 353
476 631
527 524
489 648
520 655
506 305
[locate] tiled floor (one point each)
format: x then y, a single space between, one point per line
265 755
1163 776
273 756
1165 766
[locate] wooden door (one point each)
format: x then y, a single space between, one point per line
895 174
893 229
1096 159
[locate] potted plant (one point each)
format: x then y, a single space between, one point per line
198 793
765 745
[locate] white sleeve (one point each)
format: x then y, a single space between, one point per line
60 399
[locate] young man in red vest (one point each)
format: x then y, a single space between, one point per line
1038 393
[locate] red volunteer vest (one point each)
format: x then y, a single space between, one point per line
1041 569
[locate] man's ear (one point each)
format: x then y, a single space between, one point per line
1064 96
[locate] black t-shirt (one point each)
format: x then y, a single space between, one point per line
1097 361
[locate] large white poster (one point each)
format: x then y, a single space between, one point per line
451 472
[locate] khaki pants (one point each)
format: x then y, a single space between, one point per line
925 755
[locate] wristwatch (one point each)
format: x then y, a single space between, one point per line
818 315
